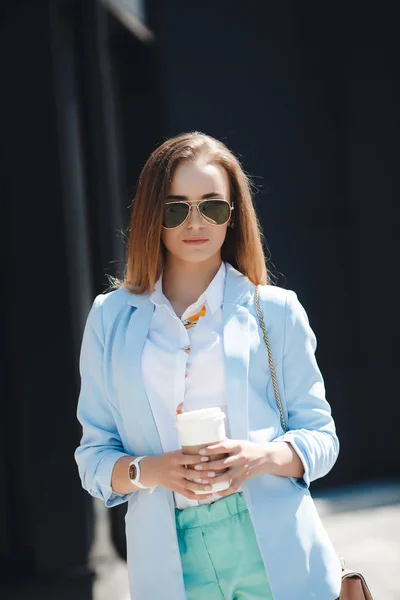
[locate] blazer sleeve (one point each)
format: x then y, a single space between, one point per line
310 427
100 446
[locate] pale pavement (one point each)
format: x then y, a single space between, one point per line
363 523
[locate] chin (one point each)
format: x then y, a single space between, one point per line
197 256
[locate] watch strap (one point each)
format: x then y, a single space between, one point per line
136 481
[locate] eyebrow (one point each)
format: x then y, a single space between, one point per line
205 197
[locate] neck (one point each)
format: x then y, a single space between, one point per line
184 282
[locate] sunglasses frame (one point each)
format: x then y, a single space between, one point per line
231 206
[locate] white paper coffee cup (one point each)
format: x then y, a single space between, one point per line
203 426
199 428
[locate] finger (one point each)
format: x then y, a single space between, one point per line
206 477
225 493
191 459
220 464
203 471
198 487
219 448
192 496
232 489
226 463
230 475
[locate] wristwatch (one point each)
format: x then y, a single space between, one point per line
134 473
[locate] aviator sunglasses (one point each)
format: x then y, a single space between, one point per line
215 212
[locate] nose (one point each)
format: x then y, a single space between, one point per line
195 221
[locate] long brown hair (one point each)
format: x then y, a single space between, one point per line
242 247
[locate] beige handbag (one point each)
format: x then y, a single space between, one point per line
353 586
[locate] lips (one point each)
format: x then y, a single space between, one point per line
195 241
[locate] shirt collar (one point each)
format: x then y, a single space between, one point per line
158 298
213 295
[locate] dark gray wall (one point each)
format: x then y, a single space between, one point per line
308 95
65 201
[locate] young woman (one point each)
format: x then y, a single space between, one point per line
181 333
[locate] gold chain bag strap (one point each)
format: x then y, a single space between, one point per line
354 586
270 361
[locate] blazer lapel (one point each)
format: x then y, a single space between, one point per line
236 351
135 404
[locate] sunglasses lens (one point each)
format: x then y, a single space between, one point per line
216 212
175 214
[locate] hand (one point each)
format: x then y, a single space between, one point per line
245 460
169 471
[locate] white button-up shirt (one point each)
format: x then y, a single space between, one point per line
183 363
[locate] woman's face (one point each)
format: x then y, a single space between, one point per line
193 182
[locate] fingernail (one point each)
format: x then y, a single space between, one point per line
202 451
198 467
211 474
204 459
208 487
205 481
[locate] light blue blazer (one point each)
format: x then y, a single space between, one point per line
117 420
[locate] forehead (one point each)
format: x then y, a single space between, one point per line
199 178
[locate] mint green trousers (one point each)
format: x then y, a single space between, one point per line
219 552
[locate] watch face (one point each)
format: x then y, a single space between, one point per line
132 472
